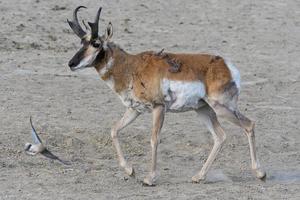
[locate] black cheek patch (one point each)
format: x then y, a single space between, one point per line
100 56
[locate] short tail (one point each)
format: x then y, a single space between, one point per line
235 74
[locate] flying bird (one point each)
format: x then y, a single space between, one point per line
38 147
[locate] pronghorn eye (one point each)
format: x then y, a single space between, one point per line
96 44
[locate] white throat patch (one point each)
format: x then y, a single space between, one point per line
107 67
110 82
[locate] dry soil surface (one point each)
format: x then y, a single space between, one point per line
74 111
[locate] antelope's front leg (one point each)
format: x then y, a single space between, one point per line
158 119
129 116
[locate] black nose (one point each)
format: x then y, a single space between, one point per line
71 64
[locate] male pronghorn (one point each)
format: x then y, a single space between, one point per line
207 84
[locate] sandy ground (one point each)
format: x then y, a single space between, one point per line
74 111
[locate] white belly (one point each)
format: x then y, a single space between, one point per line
182 95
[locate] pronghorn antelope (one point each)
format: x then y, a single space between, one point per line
207 84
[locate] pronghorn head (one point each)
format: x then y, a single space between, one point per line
93 46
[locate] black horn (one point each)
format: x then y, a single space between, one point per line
94 26
74 24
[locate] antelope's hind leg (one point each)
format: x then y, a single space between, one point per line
211 121
129 116
237 118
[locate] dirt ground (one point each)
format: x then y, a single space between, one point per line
74 111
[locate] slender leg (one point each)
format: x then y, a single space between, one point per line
247 125
158 119
210 119
129 116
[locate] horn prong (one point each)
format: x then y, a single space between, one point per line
94 26
86 27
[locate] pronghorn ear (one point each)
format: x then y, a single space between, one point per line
109 32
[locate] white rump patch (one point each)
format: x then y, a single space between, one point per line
235 74
183 95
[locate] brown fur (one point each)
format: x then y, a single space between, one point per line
146 70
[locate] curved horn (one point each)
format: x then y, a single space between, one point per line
94 26
75 26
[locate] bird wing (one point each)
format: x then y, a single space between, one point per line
34 134
50 155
